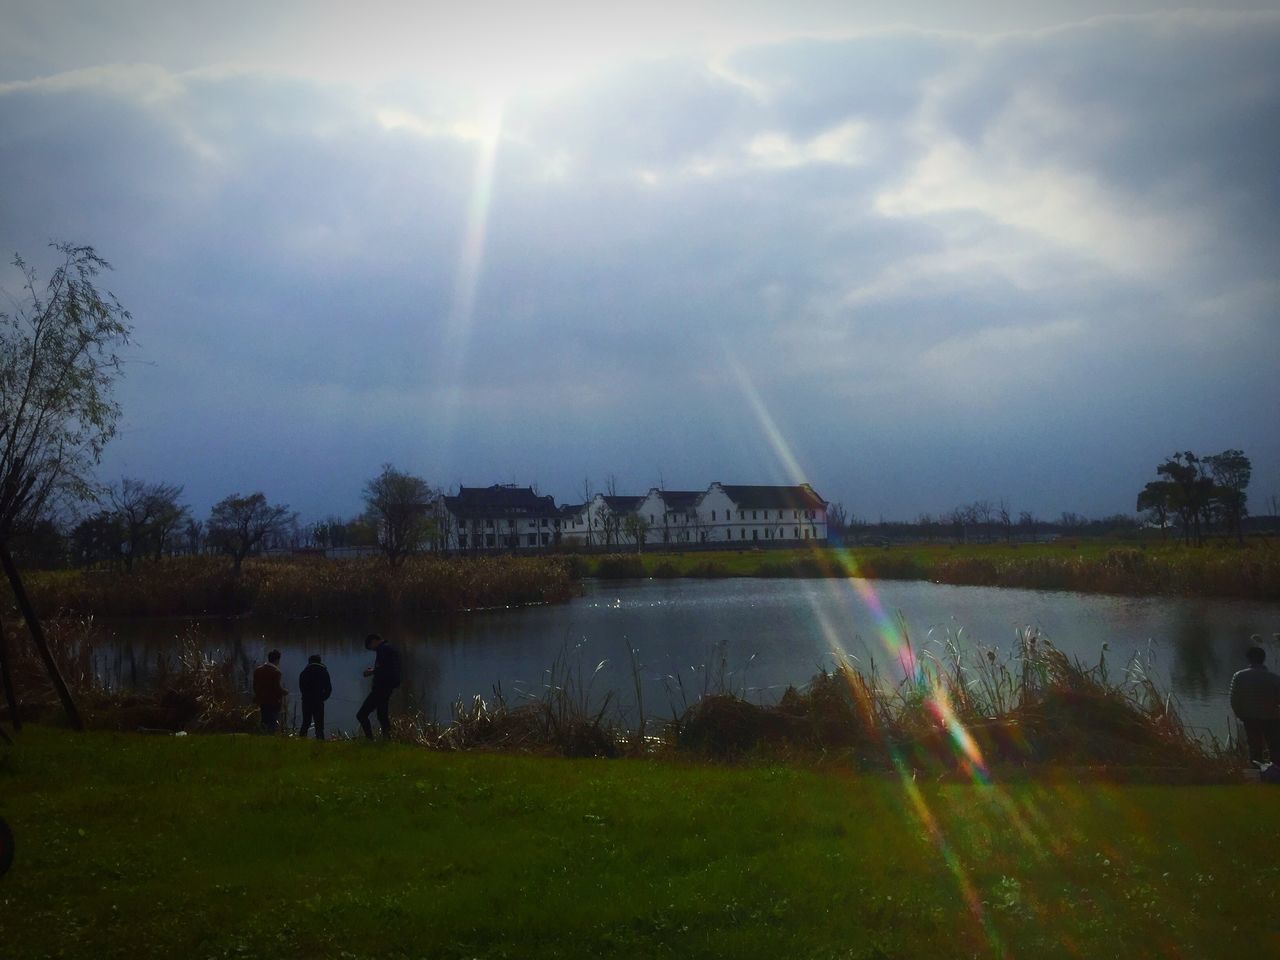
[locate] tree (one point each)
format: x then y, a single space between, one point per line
400 505
837 521
636 528
1006 522
1190 491
1028 522
58 366
237 525
149 513
1231 471
1154 500
97 538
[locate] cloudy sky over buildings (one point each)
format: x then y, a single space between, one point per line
916 256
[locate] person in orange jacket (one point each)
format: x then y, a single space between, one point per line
269 691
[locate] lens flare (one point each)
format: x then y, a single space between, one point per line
457 331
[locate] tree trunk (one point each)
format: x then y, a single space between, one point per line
6 679
37 635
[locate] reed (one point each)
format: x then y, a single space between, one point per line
303 587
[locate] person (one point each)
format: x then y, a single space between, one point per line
315 688
386 677
1255 699
269 691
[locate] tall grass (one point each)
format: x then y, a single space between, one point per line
951 705
1220 570
303 587
946 705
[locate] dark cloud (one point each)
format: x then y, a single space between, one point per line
950 267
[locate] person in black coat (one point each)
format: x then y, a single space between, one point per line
386 677
314 687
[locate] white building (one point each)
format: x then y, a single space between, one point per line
506 517
769 514
500 517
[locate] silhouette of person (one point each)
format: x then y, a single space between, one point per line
1255 699
269 691
386 677
315 688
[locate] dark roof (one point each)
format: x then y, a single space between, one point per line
500 500
774 498
622 504
571 509
680 499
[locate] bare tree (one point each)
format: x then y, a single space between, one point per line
58 365
149 513
1028 522
1006 522
237 525
400 504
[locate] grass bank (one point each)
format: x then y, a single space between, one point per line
219 846
1216 570
301 587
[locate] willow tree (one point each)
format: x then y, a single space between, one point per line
58 366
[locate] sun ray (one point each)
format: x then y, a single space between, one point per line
470 268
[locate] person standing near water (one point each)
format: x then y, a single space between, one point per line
386 677
314 687
269 691
1255 699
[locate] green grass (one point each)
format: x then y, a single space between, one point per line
1219 569
135 846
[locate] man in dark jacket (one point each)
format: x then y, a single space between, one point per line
386 677
1255 699
269 691
314 687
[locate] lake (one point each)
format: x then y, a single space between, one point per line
750 636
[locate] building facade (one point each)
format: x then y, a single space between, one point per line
507 517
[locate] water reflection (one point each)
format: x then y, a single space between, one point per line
751 636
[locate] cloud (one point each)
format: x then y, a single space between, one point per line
898 239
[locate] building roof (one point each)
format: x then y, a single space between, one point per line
622 504
680 499
802 497
499 500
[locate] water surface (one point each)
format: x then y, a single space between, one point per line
751 636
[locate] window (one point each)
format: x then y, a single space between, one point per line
755 534
806 534
795 514
744 533
546 538
533 540
713 516
462 541
796 533
742 514
753 515
488 525
488 539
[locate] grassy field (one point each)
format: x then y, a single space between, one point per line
133 846
1219 569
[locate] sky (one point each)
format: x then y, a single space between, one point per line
915 254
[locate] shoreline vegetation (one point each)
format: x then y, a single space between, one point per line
944 709
1222 570
301 587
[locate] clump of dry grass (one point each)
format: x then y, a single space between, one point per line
955 706
303 587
